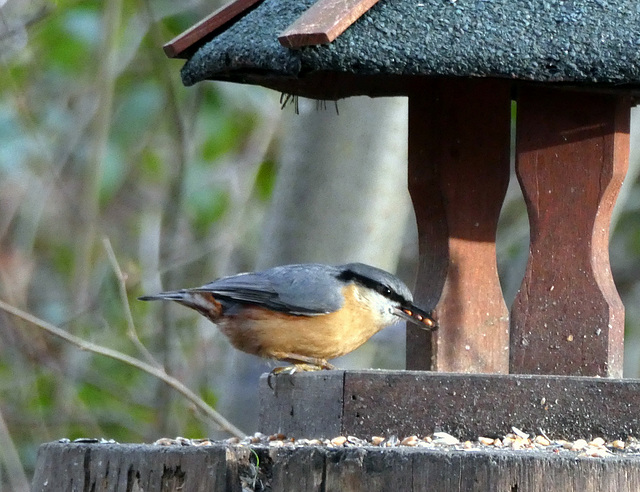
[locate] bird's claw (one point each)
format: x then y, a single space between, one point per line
284 370
302 367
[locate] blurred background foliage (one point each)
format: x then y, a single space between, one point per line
101 145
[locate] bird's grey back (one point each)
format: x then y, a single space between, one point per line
305 289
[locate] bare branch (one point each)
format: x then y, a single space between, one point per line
218 419
131 328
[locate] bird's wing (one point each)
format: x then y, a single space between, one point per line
296 289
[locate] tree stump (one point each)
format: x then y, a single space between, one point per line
233 468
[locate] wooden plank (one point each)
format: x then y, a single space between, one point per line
469 405
459 137
323 22
572 155
185 43
464 405
294 405
223 467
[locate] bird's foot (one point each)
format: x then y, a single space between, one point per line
315 365
280 370
301 362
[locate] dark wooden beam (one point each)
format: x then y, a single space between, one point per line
405 403
459 136
572 155
306 415
323 22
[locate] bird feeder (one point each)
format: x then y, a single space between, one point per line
551 361
569 67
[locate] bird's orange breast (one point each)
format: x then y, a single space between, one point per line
267 333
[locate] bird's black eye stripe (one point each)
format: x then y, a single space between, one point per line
381 289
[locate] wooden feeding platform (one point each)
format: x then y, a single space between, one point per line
551 362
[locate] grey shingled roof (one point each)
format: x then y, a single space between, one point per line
574 41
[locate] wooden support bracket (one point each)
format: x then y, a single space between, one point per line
572 156
459 134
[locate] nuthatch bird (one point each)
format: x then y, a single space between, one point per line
303 314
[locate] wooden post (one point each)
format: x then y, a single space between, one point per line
459 136
572 155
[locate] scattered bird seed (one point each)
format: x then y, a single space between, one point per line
338 441
519 433
202 442
618 444
598 442
578 445
594 452
444 438
409 441
377 440
356 441
516 440
543 441
390 442
520 443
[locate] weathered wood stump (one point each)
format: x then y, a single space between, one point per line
233 468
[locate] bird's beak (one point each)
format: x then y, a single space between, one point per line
417 316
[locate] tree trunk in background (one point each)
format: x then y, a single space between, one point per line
341 195
630 295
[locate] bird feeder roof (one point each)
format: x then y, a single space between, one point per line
579 42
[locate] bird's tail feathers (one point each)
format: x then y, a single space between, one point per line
203 302
175 295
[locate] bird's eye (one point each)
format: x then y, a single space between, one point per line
384 290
